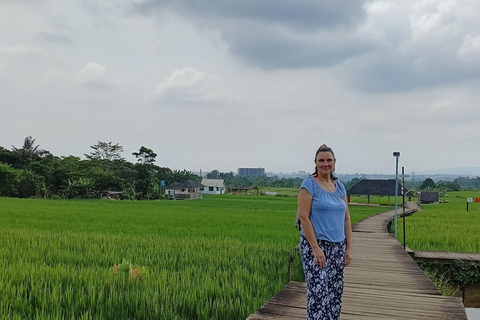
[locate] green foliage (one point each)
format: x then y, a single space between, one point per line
6 156
105 151
9 179
467 183
428 184
145 155
80 188
459 273
448 185
30 184
28 151
231 180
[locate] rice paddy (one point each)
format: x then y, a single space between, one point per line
220 257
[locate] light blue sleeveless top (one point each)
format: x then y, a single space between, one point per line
328 210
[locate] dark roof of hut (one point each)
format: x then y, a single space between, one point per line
428 196
188 184
368 187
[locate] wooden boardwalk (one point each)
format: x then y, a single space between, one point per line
382 282
444 257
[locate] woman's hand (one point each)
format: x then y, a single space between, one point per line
348 256
318 257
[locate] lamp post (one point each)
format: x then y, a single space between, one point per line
396 155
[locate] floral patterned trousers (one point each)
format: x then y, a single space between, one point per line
324 285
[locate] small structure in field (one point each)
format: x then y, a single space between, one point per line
427 197
213 186
237 190
372 187
188 189
112 195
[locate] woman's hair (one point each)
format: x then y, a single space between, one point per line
324 148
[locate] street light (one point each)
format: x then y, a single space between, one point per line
396 155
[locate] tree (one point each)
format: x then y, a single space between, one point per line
145 155
214 174
7 156
449 185
28 151
427 184
9 179
178 176
105 151
30 184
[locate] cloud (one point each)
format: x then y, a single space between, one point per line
93 76
294 14
188 86
186 79
422 44
470 49
92 70
21 50
280 34
389 46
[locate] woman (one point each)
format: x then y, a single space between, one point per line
325 238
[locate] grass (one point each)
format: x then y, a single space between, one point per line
221 257
445 226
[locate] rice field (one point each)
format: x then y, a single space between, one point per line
220 257
444 226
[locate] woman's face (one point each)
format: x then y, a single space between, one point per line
325 162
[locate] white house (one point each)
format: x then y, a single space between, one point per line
213 186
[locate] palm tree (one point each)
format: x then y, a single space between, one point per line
28 151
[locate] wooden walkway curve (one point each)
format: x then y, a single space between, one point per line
443 257
382 282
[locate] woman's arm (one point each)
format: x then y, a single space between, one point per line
304 207
348 235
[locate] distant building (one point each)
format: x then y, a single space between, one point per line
184 190
251 172
428 197
367 187
213 186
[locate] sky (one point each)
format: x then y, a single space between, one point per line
218 85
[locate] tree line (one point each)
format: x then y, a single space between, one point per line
29 171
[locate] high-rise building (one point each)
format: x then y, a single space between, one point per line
251 172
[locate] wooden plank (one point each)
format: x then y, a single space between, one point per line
382 282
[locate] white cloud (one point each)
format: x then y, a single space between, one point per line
187 79
91 71
188 86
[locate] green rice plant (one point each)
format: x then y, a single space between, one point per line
444 226
221 257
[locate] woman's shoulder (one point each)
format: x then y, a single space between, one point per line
340 185
309 183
